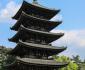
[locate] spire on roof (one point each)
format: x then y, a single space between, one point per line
35 1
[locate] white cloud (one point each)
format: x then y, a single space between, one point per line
71 37
10 9
57 17
74 40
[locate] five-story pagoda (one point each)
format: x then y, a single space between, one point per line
33 38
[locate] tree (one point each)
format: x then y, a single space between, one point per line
84 60
71 65
76 58
3 56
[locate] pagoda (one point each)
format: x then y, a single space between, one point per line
34 38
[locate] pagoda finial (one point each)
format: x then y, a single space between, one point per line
35 1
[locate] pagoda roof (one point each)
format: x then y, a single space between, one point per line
53 50
42 62
41 46
38 62
37 9
25 17
22 30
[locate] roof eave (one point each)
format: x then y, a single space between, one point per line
17 15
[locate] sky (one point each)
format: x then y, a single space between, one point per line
72 14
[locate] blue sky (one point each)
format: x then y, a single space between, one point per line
72 14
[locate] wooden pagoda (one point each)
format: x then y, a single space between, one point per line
34 38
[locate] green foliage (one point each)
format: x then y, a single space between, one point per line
82 66
62 59
76 58
3 56
71 65
84 60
